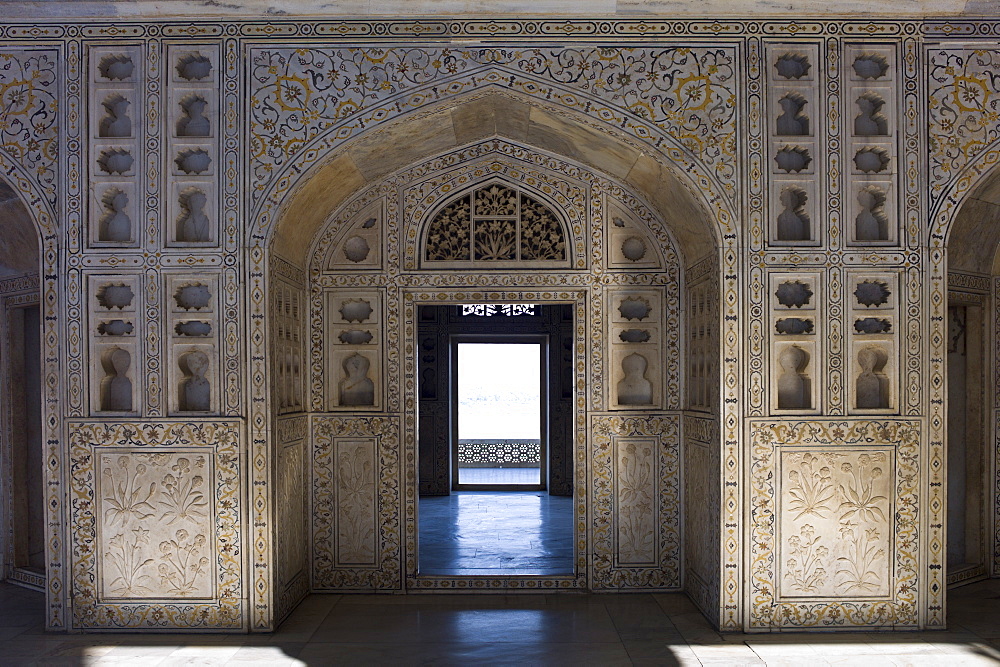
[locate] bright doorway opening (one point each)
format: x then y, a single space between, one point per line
495 434
499 415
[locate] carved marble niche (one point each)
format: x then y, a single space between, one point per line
354 350
116 368
636 349
796 316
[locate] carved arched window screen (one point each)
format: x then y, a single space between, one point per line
496 224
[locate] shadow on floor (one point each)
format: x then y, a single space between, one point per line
530 629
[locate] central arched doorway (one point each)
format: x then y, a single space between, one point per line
623 278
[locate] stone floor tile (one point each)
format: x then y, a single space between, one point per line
896 644
784 649
861 659
660 653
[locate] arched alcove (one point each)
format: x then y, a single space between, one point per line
673 266
973 414
21 430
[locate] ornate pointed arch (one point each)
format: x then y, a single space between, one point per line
496 224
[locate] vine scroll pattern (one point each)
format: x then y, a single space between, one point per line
298 95
964 110
29 114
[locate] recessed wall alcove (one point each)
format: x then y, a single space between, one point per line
972 346
359 275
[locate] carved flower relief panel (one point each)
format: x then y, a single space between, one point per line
290 533
636 493
156 526
355 501
636 502
835 534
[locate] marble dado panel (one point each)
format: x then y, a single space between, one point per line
291 532
996 495
356 503
635 491
157 519
834 509
701 510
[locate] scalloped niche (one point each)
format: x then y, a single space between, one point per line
194 67
115 222
360 247
115 162
116 67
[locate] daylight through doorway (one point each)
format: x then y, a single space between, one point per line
499 415
495 427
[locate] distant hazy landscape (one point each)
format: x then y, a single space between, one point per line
498 391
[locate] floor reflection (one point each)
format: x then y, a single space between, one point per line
496 532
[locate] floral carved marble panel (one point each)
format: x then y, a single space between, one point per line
636 504
156 514
834 525
834 528
356 503
291 530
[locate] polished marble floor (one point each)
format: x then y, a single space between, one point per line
495 532
530 629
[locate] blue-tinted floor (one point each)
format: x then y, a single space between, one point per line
495 532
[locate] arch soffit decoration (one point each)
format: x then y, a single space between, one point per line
19 244
436 181
968 218
698 218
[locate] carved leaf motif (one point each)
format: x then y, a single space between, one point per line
812 488
448 234
858 498
496 240
858 567
182 497
128 499
504 226
805 566
636 532
496 201
541 234
125 556
355 489
181 563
